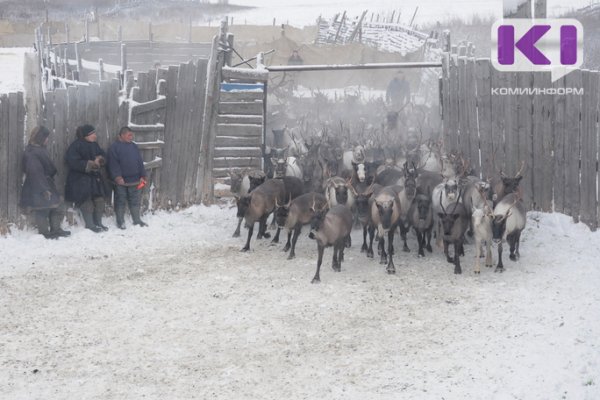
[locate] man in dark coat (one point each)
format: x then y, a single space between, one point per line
85 185
39 194
398 92
126 169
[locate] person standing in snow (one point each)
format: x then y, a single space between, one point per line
39 194
85 184
126 169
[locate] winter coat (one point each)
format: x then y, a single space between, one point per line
39 190
84 180
125 160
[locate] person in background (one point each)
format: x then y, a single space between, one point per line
126 169
398 91
39 194
295 58
85 184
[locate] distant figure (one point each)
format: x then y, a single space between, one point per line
295 59
39 194
398 91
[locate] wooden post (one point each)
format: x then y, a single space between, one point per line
101 69
539 9
517 9
337 33
229 52
78 57
205 173
123 58
68 38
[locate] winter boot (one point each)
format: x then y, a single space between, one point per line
87 210
135 215
98 213
42 224
56 218
120 213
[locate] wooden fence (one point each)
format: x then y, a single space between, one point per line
501 119
12 125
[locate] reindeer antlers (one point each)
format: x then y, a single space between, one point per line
520 170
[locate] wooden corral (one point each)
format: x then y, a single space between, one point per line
554 131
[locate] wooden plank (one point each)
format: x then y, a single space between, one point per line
14 156
61 138
524 138
547 148
589 145
150 145
497 122
536 166
168 174
484 115
559 131
185 87
19 135
92 100
147 107
156 163
248 162
471 106
199 99
241 108
445 95
572 146
141 95
245 73
511 161
113 110
463 122
245 96
221 152
232 141
452 143
240 119
101 127
239 130
224 172
4 149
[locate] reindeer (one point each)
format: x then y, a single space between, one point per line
242 183
296 213
454 226
362 194
420 216
481 221
506 185
330 228
261 203
442 196
385 215
508 223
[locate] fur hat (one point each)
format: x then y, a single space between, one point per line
38 135
85 130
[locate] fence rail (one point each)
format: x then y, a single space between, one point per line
553 131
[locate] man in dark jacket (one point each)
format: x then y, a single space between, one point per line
39 194
126 169
85 185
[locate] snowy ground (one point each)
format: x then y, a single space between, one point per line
176 311
11 65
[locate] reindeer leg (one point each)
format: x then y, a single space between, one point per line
335 265
250 232
276 238
500 266
383 259
391 269
341 257
457 247
517 241
420 240
317 278
477 268
289 241
448 258
237 230
511 239
262 228
403 232
488 257
428 247
364 245
371 237
297 230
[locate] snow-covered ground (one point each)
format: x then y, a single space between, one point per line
11 68
176 311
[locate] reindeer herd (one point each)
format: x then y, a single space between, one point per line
383 189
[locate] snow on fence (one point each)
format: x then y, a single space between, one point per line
508 118
12 127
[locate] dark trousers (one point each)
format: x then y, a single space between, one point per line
130 196
48 220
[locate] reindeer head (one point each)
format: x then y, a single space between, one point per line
316 222
282 211
243 203
279 161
